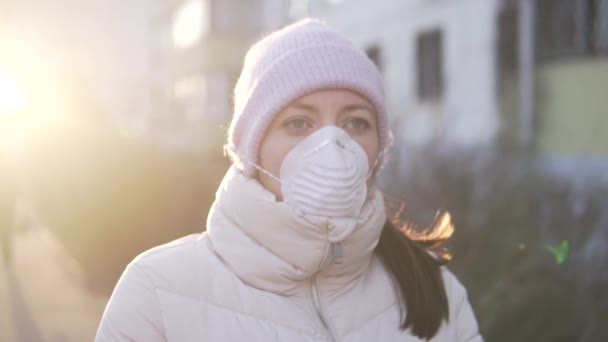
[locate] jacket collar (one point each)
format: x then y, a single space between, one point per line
271 247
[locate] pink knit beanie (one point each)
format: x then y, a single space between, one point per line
294 61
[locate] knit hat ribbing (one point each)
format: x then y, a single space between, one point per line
294 61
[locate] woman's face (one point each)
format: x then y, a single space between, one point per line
337 107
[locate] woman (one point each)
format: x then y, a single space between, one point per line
297 246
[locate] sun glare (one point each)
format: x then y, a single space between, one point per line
188 25
35 98
12 93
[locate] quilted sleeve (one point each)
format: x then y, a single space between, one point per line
133 311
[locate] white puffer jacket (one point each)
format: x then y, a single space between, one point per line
263 273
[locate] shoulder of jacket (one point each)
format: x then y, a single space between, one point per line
167 250
179 266
451 282
454 289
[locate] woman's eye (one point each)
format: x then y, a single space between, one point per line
357 124
297 124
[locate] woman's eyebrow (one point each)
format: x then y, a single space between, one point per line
304 106
354 107
348 108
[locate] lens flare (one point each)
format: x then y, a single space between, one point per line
559 251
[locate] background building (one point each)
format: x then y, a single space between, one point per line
566 68
523 73
199 50
438 60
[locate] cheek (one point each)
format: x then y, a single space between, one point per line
372 155
272 153
268 157
273 149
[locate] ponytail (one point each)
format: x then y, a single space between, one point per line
417 275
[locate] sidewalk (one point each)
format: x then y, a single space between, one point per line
42 297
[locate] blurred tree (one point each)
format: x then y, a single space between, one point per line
530 247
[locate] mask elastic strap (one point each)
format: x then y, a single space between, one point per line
259 168
376 162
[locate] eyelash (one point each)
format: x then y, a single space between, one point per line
362 121
291 124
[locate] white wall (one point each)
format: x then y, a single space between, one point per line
468 115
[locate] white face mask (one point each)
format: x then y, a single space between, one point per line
325 175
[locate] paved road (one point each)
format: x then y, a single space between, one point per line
42 297
24 328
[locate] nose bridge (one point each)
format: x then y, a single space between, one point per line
329 117
327 124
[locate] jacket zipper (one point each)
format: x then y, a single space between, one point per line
336 250
319 313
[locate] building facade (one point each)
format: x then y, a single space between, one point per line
199 54
528 73
438 62
562 79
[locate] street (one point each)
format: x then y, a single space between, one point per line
42 295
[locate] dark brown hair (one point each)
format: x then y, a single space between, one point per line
412 259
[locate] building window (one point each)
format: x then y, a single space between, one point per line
240 18
430 66
597 11
508 40
563 28
559 30
566 28
375 54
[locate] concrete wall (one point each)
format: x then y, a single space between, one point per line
571 105
572 108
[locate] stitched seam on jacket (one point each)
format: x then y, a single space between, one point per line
369 320
206 301
254 240
145 273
